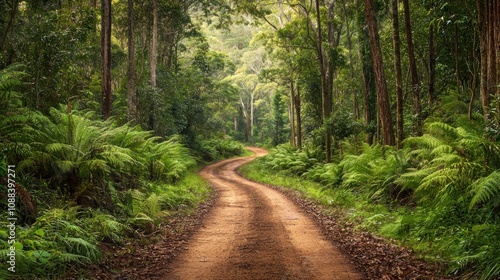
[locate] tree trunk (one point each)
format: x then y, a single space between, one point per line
292 115
483 50
131 97
492 79
325 87
457 60
10 23
252 107
351 63
152 64
299 120
364 53
380 79
413 69
432 64
154 42
106 58
497 51
399 75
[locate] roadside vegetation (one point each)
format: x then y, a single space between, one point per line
81 181
437 196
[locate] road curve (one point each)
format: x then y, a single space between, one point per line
255 232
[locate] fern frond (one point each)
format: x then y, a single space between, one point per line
486 189
79 246
442 130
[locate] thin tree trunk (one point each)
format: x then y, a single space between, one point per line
380 79
351 63
457 60
432 65
299 120
497 51
106 58
154 42
131 97
252 107
399 75
10 23
325 88
413 69
152 64
292 114
483 50
492 55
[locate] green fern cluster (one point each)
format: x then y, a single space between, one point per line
454 162
71 157
215 149
58 238
289 159
148 210
82 155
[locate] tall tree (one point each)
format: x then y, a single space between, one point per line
154 44
380 79
326 67
367 73
351 60
131 96
106 57
413 69
432 63
483 50
152 64
397 69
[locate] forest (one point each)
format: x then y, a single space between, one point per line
386 110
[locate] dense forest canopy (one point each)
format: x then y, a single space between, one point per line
102 100
167 65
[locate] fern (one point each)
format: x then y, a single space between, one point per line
81 247
486 189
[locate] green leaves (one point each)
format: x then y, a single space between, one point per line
486 189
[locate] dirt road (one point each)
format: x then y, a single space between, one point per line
255 232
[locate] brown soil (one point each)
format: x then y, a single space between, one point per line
255 232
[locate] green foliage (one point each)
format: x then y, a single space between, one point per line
286 158
57 239
133 177
216 148
486 189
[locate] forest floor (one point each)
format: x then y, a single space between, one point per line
253 231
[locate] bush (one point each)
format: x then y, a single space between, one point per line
216 149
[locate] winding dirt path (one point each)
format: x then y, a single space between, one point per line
255 232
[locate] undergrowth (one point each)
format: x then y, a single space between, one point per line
81 181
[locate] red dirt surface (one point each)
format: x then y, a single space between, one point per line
255 232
